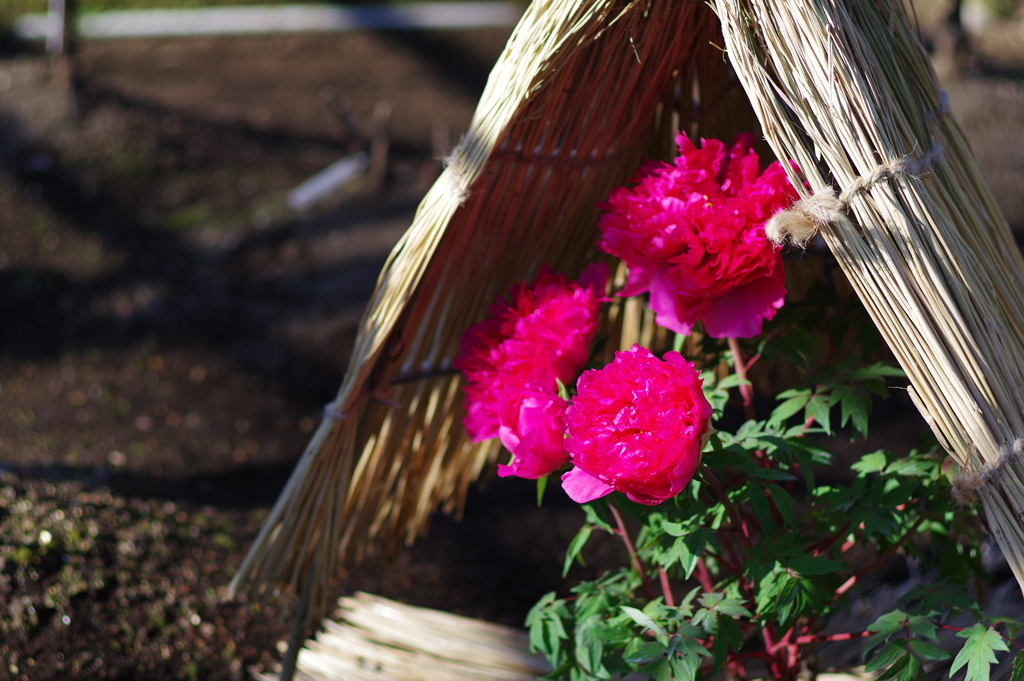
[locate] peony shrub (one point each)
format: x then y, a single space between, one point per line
739 552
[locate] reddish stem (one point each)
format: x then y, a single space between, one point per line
704 576
666 588
822 638
825 543
874 565
637 565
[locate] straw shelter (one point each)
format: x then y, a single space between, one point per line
584 91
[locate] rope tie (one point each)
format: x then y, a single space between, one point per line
805 218
968 482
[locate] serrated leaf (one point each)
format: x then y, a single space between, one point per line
1018 667
978 652
643 620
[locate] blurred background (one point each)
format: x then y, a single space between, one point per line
190 227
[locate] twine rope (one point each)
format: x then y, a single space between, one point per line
802 221
968 482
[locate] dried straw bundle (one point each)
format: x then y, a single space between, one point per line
845 88
373 638
585 90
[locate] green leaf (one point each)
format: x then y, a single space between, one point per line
770 474
927 651
818 409
546 629
646 653
978 652
874 462
892 652
590 647
542 484
575 546
910 669
876 370
690 548
759 502
643 620
595 512
563 392
790 407
812 566
660 671
1018 667
785 502
856 405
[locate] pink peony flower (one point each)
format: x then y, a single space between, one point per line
540 336
532 427
636 426
693 235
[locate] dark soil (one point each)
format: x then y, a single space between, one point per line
169 332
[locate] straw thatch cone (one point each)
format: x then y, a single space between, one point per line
847 91
584 91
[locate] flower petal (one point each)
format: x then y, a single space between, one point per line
583 487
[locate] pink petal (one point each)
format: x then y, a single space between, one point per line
674 312
583 487
741 312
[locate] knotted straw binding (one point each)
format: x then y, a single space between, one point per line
969 482
801 222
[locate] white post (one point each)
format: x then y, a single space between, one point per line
58 27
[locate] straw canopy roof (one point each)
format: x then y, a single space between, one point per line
584 91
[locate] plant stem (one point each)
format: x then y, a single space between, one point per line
822 638
874 565
704 576
666 588
637 565
740 367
